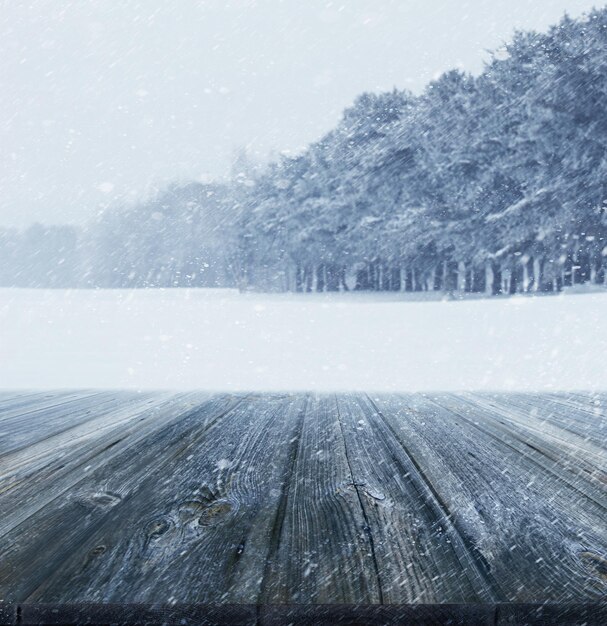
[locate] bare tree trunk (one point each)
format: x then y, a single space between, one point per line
308 278
320 277
395 279
461 276
450 281
417 284
528 276
361 280
342 279
372 278
512 286
332 277
438 277
557 277
496 283
408 279
538 274
568 271
299 278
601 274
488 279
478 279
432 279
469 281
516 276
386 278
548 274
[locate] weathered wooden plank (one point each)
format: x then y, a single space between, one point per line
36 475
574 460
323 553
571 433
44 424
9 399
29 403
40 544
194 527
419 556
580 399
541 540
85 426
587 422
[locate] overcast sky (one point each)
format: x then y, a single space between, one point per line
102 101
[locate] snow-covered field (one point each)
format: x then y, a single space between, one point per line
222 340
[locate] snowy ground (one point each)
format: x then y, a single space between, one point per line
222 340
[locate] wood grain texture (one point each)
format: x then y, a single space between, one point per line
322 551
272 499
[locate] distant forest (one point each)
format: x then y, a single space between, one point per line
495 183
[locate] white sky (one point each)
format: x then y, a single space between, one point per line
102 101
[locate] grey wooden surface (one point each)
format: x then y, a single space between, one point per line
302 499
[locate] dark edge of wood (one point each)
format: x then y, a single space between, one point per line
591 614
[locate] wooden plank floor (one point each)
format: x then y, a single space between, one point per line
303 499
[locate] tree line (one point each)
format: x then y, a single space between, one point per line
494 183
